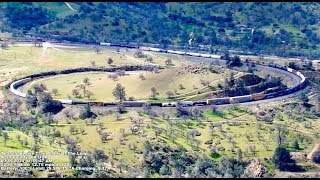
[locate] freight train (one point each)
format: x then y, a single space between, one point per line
216 101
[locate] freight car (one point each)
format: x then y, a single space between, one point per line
186 103
134 103
171 104
155 49
79 102
65 101
96 103
105 44
271 95
240 99
272 64
218 101
199 103
205 55
258 96
179 52
171 51
109 104
193 54
144 48
281 93
156 104
17 84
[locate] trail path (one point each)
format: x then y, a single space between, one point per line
316 147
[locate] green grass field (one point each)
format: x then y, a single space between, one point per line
90 139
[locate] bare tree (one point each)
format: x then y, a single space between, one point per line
88 94
142 77
149 59
281 133
93 63
83 87
120 72
97 49
68 112
154 93
114 77
205 82
181 86
75 92
82 130
55 91
4 45
168 62
169 94
86 81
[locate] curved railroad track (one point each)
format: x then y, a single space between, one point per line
298 80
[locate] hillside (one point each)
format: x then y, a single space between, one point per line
281 28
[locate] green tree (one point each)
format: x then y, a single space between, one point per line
165 170
239 155
316 156
99 155
292 65
296 144
281 158
309 66
30 100
110 61
304 98
5 137
235 61
47 104
87 111
119 92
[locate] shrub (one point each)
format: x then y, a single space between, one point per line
316 156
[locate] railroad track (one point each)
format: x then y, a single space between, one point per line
294 75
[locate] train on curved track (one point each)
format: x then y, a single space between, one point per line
214 101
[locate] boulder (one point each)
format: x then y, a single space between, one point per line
255 169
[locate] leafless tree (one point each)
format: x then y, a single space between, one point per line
142 77
83 87
88 94
169 94
154 93
97 49
168 62
114 77
86 81
181 86
93 63
75 92
55 91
